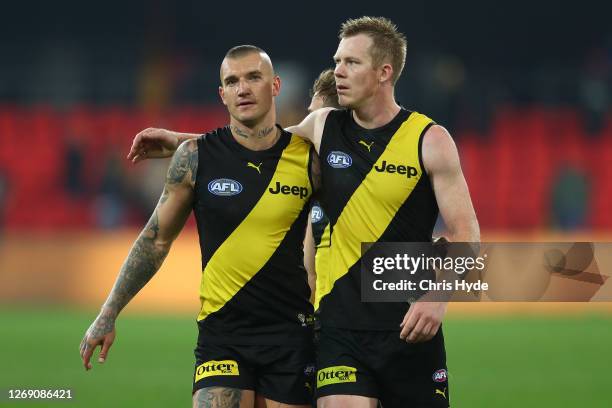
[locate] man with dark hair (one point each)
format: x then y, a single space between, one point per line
249 186
363 353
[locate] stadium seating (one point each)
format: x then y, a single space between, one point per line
511 170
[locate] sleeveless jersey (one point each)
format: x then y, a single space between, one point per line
251 209
320 233
375 189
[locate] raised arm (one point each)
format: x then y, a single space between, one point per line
441 161
154 143
311 128
148 251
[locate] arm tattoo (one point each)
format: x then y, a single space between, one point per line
184 162
147 254
142 263
218 397
100 327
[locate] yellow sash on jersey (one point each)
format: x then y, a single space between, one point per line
254 241
369 211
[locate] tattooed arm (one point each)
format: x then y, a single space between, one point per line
149 250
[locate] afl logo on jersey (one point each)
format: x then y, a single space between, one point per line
224 187
316 214
440 376
339 160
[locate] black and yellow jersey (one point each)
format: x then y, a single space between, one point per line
251 209
320 234
375 189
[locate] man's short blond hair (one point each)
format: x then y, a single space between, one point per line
325 88
388 44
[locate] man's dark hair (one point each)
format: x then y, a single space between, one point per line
242 50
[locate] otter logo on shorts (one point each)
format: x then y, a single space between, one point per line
336 375
213 368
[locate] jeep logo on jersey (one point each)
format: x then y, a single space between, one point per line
339 160
440 376
289 190
408 171
224 187
317 214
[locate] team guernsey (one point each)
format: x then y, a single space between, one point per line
375 189
251 209
320 234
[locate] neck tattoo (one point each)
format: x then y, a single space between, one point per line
239 132
261 133
265 132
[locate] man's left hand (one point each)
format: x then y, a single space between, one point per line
422 321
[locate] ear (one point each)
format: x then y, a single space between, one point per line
276 85
222 95
385 73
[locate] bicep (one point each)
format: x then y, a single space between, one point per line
177 198
441 161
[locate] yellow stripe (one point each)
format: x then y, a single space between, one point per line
321 266
255 240
324 242
375 202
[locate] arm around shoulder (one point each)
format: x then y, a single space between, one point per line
153 143
311 128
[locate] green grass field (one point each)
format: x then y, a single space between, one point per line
493 362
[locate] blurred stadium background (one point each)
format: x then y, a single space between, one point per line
524 87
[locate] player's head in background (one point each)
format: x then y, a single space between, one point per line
248 85
323 93
369 60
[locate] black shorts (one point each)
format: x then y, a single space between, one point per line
378 364
279 373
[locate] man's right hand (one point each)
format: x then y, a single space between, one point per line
100 333
153 143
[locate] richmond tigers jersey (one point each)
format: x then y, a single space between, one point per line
320 234
251 209
374 190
